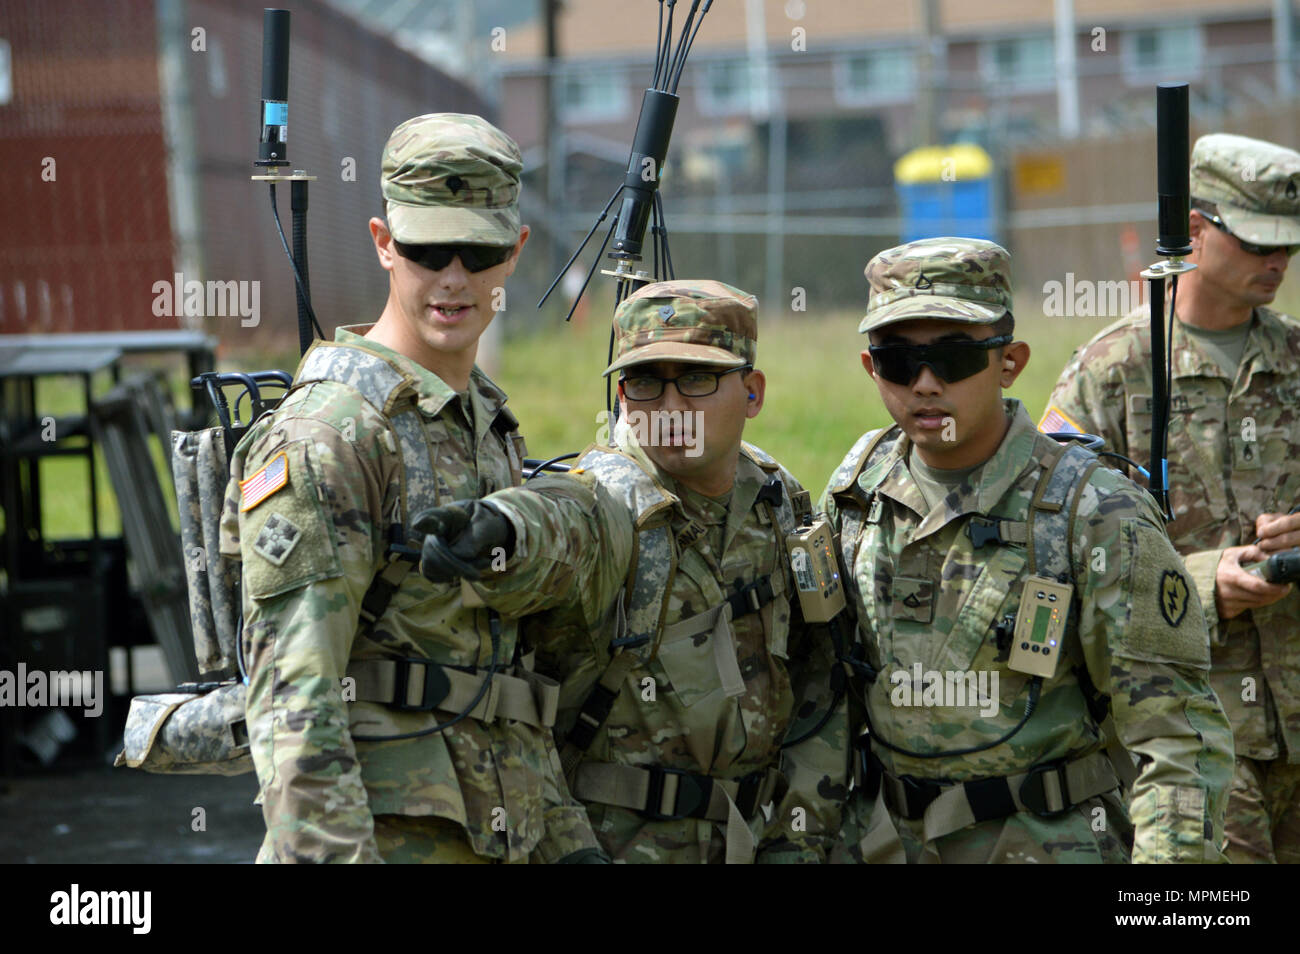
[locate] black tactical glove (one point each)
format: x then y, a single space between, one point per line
462 539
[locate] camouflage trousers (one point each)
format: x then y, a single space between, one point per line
1263 819
1096 831
424 840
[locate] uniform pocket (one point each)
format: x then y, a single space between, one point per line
287 538
688 662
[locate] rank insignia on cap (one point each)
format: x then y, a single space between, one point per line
1173 597
273 475
278 538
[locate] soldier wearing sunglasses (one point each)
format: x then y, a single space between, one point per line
1234 438
362 674
1037 588
668 606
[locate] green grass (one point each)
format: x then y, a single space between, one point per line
819 399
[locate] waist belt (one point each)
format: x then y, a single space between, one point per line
664 794
421 685
1045 790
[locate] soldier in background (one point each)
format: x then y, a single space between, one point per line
673 622
1234 437
365 713
957 522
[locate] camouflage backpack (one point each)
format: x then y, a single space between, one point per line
200 728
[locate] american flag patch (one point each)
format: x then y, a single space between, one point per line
273 475
1055 421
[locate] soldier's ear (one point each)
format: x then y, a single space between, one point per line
1014 358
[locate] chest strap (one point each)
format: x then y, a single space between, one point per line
600 701
1045 790
421 685
664 794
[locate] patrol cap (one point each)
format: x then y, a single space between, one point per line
451 178
959 279
689 320
1254 184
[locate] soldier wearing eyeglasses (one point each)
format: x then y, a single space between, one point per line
1017 607
365 679
1233 442
669 611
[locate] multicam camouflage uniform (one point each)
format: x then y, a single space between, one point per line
707 695
1233 441
926 596
318 492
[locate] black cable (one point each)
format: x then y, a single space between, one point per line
674 68
1128 460
592 271
547 463
1169 380
678 77
659 46
572 258
1035 687
668 43
663 227
302 288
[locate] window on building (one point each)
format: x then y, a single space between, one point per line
876 75
730 86
6 74
1022 62
1168 51
590 95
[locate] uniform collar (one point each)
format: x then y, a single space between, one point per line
980 492
1267 349
486 399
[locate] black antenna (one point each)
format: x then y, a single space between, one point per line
1173 242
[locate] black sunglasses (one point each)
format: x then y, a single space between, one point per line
475 258
1250 247
950 360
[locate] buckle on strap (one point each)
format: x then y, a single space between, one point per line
691 800
1046 791
436 685
751 598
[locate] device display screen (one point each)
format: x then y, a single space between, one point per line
1042 617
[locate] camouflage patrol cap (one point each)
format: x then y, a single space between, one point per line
960 279
692 321
451 178
1255 185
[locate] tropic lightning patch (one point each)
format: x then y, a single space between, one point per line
278 538
1173 597
273 476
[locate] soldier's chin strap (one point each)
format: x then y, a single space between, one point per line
1173 242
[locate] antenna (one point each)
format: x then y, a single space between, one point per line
641 204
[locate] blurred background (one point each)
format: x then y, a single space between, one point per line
811 134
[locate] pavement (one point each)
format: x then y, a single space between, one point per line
116 816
